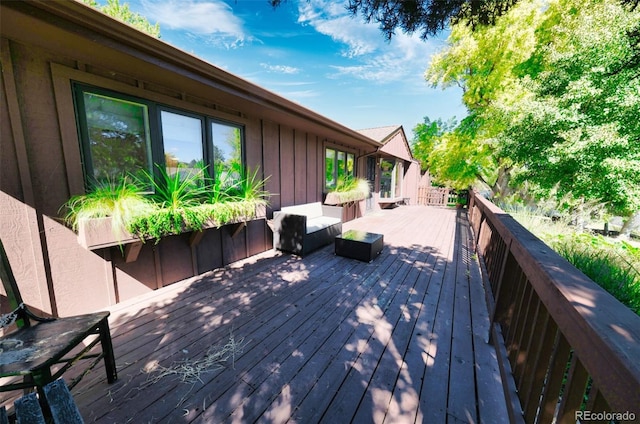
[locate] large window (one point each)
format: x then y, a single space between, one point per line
338 165
116 137
182 139
227 151
126 136
391 178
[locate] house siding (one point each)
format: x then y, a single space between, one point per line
41 161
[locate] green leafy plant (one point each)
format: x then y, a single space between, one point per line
181 189
121 200
614 266
182 201
349 189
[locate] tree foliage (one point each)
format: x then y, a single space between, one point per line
481 63
429 17
553 91
426 135
579 131
122 12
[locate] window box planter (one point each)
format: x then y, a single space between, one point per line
358 190
335 198
98 233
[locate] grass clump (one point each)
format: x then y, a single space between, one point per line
349 189
613 266
120 200
185 200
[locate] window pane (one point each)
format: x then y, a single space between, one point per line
119 140
182 139
227 151
398 180
351 160
341 165
329 168
386 178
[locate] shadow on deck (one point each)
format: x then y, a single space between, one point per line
318 339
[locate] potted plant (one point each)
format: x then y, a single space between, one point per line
462 198
348 189
119 213
100 216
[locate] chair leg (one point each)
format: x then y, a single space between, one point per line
107 349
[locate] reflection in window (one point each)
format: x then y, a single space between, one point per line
330 168
117 138
351 160
338 166
386 178
182 140
397 192
227 152
342 165
390 179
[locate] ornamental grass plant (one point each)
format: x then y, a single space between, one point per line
349 189
185 200
613 264
121 200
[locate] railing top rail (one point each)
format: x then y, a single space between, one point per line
603 333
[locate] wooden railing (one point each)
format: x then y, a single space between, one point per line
572 349
435 196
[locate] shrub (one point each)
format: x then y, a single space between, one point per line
120 200
182 201
613 266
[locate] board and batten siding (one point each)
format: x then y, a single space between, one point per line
41 162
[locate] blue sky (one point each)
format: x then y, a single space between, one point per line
314 53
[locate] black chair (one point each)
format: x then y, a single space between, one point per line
42 349
57 407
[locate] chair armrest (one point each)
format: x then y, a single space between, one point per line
283 221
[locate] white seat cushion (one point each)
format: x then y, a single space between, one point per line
311 210
321 222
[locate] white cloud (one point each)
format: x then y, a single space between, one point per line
212 18
281 69
303 94
375 59
331 19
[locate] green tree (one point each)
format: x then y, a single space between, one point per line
429 17
578 132
481 62
426 135
122 12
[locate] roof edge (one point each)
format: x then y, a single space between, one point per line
85 16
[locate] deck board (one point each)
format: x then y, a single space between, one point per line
325 338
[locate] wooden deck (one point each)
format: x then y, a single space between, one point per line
319 339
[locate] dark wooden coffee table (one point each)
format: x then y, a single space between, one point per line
359 245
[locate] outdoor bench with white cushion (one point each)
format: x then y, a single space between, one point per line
301 229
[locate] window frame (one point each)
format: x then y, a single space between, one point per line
86 155
243 150
345 171
396 182
176 111
154 109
